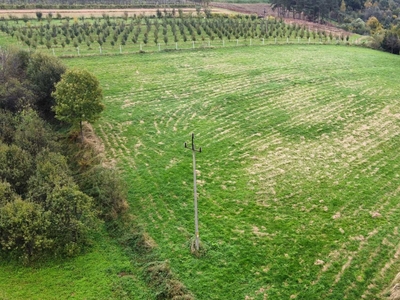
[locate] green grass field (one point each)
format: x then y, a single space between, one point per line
298 181
104 272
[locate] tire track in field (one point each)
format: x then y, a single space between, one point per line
357 257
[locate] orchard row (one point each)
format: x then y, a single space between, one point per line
146 30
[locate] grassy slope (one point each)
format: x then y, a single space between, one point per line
94 275
299 177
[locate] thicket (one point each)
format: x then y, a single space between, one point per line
54 192
378 18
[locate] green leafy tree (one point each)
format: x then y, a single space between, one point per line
14 88
78 98
44 72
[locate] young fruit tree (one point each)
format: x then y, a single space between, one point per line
78 97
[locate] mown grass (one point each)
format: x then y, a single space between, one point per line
298 179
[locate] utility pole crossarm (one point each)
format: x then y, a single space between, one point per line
193 147
196 220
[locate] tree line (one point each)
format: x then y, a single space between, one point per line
54 192
378 18
316 10
312 10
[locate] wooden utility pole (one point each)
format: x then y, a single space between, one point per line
196 219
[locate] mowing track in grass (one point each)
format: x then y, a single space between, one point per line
299 177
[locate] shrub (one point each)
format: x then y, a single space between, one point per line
23 227
15 95
51 172
160 276
7 126
44 72
72 219
6 193
14 88
33 134
107 190
16 166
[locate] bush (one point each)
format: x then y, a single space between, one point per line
72 219
15 95
23 228
16 166
6 193
161 278
33 134
51 172
7 126
44 72
107 190
358 26
376 41
14 89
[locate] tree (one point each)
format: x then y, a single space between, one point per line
44 72
14 88
78 98
39 15
391 42
374 25
343 6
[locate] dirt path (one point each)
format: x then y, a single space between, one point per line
31 13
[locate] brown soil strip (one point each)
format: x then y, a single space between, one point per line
31 13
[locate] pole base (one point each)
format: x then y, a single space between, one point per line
202 248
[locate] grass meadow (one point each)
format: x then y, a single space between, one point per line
298 180
98 274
